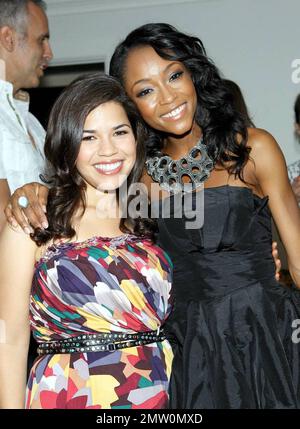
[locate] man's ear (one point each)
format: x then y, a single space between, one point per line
8 38
297 129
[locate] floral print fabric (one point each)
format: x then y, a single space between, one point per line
101 285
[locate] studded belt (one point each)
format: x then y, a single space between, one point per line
100 342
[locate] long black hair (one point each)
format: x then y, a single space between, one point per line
297 109
239 101
64 136
224 128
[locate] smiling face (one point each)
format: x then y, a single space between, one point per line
108 149
33 52
162 90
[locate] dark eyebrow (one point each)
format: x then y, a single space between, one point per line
44 36
114 128
121 126
165 70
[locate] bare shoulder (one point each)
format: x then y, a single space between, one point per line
15 238
261 141
268 158
12 231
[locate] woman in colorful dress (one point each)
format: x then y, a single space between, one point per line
98 287
233 326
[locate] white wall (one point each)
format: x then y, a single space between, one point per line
252 41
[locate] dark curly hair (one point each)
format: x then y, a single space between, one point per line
297 109
64 136
239 101
224 128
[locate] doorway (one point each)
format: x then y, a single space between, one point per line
55 80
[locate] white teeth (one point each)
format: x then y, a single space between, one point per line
174 112
108 167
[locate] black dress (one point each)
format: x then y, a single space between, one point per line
231 328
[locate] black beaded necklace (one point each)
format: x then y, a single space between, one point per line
169 173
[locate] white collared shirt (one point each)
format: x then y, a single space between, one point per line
20 161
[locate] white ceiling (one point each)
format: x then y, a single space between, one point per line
126 3
58 7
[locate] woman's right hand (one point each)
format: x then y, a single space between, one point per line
34 215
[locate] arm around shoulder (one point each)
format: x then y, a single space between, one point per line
272 178
4 198
16 270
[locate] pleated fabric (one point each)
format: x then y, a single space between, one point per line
231 330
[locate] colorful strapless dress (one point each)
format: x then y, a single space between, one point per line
101 285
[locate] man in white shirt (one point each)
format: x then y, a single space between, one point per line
24 55
294 168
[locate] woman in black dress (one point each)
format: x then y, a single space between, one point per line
233 325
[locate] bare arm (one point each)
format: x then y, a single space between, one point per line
34 214
271 174
4 198
17 263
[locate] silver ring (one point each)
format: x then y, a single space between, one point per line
23 202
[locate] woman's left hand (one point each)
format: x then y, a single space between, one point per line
277 261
